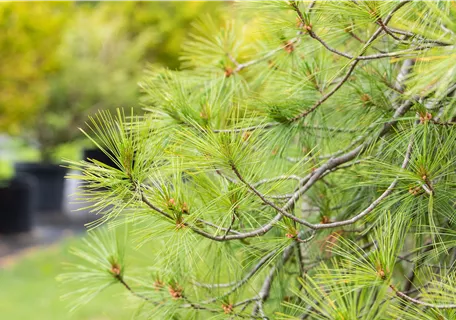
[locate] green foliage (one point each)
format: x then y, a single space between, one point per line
302 171
29 32
99 66
78 58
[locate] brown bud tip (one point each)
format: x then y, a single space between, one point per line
185 208
228 71
425 117
171 202
176 293
308 27
414 190
289 47
115 269
381 273
373 13
365 97
227 308
203 115
246 135
325 220
158 285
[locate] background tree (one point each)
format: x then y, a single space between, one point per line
63 62
306 175
28 33
99 66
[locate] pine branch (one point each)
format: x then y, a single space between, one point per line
422 303
174 153
235 286
241 66
133 292
328 95
372 56
265 290
415 36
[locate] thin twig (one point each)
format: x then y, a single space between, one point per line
267 284
422 303
236 285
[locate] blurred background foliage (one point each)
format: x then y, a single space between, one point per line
64 61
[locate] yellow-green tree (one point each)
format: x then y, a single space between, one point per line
29 34
66 61
170 22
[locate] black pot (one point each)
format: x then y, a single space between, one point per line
50 184
97 154
18 202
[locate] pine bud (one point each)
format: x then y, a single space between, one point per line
365 98
185 208
227 308
325 220
425 117
203 115
115 269
292 233
414 190
158 285
381 273
171 202
175 292
289 47
246 135
228 72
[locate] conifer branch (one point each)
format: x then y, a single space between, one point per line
189 304
351 68
248 276
372 56
280 209
443 123
335 162
265 290
133 292
244 280
422 303
241 66
328 95
278 178
415 36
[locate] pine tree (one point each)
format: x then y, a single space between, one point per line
300 165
